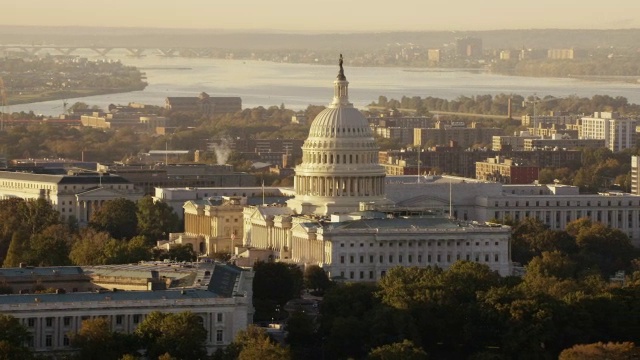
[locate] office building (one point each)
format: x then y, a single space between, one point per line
618 133
220 294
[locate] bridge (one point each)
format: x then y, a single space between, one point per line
105 50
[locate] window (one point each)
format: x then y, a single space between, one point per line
410 259
219 335
49 321
31 322
438 258
219 317
48 340
351 259
136 318
496 258
65 340
361 274
371 259
390 259
371 274
486 258
381 259
419 258
66 321
361 259
351 276
341 259
119 319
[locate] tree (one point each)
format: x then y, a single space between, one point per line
254 343
88 248
552 264
117 217
180 335
404 350
95 340
523 238
16 252
10 223
274 284
315 278
13 336
598 351
606 248
156 219
179 252
50 247
347 314
38 215
301 335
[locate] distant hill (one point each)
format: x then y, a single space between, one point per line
495 39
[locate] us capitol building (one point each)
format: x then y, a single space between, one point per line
341 220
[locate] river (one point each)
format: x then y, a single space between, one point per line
262 83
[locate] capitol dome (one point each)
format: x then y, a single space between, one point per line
339 168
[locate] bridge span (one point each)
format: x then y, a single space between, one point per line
105 50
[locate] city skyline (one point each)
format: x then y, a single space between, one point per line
331 15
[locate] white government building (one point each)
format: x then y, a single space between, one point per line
219 294
341 219
75 194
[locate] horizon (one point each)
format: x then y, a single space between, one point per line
331 16
306 32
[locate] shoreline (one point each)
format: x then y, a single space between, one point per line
68 94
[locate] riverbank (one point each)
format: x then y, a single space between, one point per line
52 95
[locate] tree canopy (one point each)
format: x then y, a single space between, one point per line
180 335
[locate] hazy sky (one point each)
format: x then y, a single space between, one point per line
327 15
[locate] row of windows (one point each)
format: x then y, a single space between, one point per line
546 217
48 340
563 203
410 258
420 242
318 158
20 184
66 321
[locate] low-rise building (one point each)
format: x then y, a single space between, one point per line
506 171
555 205
204 104
147 178
220 294
511 142
561 142
76 195
464 136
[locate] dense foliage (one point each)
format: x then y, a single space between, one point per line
121 231
274 284
498 104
